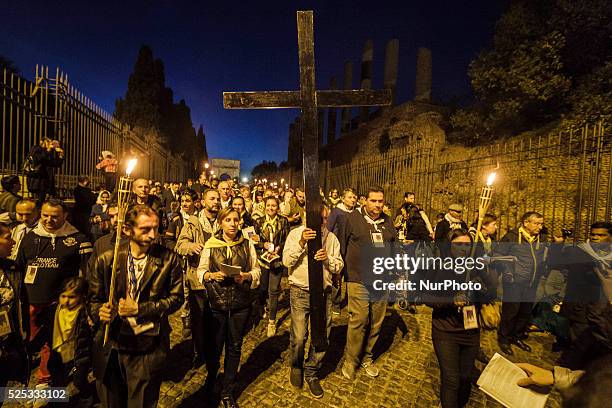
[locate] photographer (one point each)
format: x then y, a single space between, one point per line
39 168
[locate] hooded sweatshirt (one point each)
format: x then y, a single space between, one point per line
57 256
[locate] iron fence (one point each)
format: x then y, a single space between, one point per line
50 106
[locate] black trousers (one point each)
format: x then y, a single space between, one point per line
202 327
456 362
517 305
110 180
229 329
132 381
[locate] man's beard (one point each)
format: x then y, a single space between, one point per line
143 244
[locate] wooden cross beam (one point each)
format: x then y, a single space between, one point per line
309 99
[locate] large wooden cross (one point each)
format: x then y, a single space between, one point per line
308 99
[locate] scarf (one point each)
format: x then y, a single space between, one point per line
606 260
184 215
370 221
334 201
215 242
271 223
64 231
63 332
524 234
455 223
206 225
486 241
343 208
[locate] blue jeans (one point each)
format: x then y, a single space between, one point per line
300 315
456 362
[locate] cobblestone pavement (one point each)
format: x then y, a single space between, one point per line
409 374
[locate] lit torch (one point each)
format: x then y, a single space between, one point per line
123 199
483 205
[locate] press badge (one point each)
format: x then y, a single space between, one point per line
377 239
469 317
30 276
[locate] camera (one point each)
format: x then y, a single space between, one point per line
565 232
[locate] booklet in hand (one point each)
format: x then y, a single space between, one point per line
230 270
499 380
269 256
248 232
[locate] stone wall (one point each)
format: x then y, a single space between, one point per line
564 175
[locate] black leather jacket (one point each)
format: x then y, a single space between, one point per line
161 294
227 294
279 238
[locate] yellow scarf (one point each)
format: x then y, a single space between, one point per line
528 237
486 241
270 223
63 336
214 242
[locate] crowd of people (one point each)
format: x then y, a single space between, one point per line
216 253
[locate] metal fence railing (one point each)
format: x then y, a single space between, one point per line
566 176
50 106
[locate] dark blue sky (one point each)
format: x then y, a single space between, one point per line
213 46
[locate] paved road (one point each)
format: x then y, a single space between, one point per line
409 374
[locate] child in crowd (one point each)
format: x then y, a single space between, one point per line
72 336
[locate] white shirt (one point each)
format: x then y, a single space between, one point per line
295 258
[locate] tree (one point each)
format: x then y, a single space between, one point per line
542 52
141 106
8 65
150 104
264 169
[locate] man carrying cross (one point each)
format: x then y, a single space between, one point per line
308 99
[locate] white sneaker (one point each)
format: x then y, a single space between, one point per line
370 368
271 328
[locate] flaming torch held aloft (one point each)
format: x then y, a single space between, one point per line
483 206
123 199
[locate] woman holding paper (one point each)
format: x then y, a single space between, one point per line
229 270
272 231
454 328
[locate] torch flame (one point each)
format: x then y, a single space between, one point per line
130 166
491 179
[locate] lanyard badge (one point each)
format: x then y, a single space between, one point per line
470 320
377 239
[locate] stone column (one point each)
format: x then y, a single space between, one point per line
348 84
423 75
391 64
366 76
331 116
